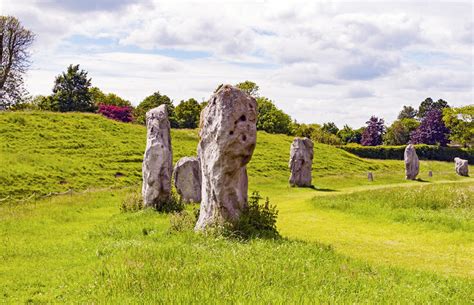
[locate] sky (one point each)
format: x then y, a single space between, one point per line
319 61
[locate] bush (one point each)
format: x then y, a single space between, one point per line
122 114
425 152
173 204
257 220
132 202
182 221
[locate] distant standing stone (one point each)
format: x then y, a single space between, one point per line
370 176
301 161
430 174
461 166
228 138
412 164
187 179
157 162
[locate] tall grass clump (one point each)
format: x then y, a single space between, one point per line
133 202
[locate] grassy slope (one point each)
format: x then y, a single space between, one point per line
81 248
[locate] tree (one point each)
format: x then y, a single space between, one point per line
428 104
408 112
431 131
187 113
349 135
14 59
152 101
71 91
250 87
399 132
271 119
330 127
460 122
100 98
373 133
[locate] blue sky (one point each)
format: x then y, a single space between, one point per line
320 61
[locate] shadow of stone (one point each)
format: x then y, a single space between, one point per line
321 189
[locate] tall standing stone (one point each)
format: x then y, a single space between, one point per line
461 166
157 161
228 138
301 162
412 164
187 179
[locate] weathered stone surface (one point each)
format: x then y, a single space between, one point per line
228 138
301 161
461 166
157 161
412 164
187 179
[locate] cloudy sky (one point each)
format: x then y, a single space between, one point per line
320 61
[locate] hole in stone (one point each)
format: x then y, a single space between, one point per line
231 132
244 138
242 118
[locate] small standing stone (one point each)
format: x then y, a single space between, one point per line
461 166
187 179
430 174
412 164
157 162
301 162
228 138
370 176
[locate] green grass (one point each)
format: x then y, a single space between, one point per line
346 241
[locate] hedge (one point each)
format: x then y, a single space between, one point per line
425 152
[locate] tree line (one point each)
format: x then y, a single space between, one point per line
434 122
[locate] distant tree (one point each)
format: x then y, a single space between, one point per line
271 119
118 113
330 127
303 130
431 131
408 112
71 91
349 135
320 136
14 60
100 98
187 113
373 133
428 104
399 132
250 87
460 122
152 101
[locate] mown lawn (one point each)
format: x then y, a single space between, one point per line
347 240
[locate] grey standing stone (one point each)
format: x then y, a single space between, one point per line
228 138
461 166
157 161
187 179
370 176
430 174
301 162
412 164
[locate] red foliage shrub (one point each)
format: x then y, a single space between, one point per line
122 114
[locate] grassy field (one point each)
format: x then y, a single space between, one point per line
346 241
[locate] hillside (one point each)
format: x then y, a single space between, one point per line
44 152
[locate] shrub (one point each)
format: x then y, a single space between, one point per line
132 202
182 221
173 204
257 220
118 113
425 152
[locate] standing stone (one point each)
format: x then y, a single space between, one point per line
301 161
228 138
412 164
157 162
370 176
187 179
461 166
430 174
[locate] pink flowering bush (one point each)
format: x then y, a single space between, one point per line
122 114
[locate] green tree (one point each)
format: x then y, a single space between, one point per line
460 121
152 101
250 87
187 113
349 135
330 127
100 98
408 112
71 91
428 104
271 119
399 132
